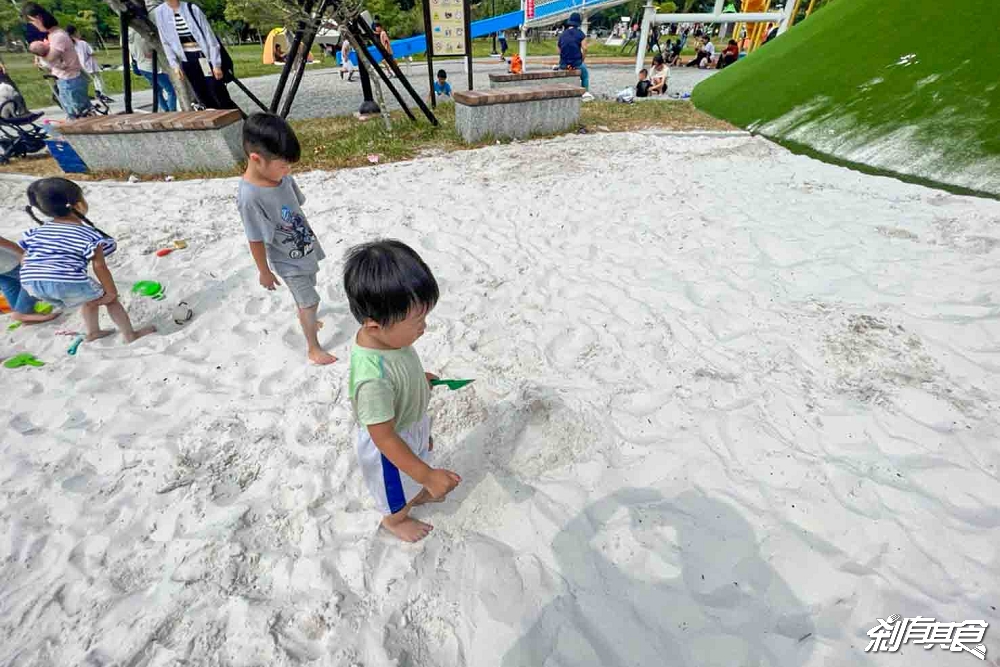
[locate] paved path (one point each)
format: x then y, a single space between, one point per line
323 93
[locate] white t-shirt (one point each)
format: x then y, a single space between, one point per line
709 48
86 55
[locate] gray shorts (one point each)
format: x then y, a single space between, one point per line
303 289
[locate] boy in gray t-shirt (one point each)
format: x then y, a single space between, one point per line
281 240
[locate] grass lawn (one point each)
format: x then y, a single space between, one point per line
337 143
247 59
36 91
861 81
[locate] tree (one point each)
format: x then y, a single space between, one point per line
261 14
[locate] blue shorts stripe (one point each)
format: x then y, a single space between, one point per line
394 494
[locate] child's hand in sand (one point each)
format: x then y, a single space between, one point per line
431 377
441 482
269 281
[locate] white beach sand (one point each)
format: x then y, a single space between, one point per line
731 405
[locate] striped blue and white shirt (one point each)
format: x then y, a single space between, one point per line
59 252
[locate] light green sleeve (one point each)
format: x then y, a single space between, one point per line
374 402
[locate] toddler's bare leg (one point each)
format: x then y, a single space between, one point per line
117 312
311 327
91 320
33 318
405 527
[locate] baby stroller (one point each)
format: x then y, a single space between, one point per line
98 105
19 135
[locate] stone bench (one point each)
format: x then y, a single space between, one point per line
159 143
517 113
543 78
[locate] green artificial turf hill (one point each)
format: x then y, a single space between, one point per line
904 86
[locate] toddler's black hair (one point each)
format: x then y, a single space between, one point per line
56 198
644 71
442 74
386 280
271 136
71 30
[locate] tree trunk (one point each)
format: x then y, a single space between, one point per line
140 22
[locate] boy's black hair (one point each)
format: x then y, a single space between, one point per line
270 136
386 280
644 71
732 42
442 74
71 30
33 10
56 197
657 59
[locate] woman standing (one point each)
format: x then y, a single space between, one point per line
194 52
59 53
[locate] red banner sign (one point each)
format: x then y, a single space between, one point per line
530 9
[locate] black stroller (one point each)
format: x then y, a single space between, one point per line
19 135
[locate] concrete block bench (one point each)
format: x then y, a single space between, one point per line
516 113
159 143
543 78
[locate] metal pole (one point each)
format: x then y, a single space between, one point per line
430 50
293 48
494 34
302 57
648 18
126 68
382 75
367 32
156 85
522 41
466 10
368 105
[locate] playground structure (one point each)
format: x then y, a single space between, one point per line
761 18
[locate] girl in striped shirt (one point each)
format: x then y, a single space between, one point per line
56 255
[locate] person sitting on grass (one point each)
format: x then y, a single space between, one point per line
391 291
442 89
705 53
642 88
729 55
281 241
658 76
57 254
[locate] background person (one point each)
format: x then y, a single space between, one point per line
85 52
58 53
194 52
658 76
573 50
729 55
142 64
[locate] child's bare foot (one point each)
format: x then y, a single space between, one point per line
100 333
423 500
321 357
139 333
408 530
35 318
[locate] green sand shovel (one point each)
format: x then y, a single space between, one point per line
149 288
23 359
451 384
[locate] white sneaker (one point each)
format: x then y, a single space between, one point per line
587 97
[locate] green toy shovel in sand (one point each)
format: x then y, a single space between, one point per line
150 288
451 384
24 359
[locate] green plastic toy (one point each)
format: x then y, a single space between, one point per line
23 359
42 308
451 384
14 325
150 288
